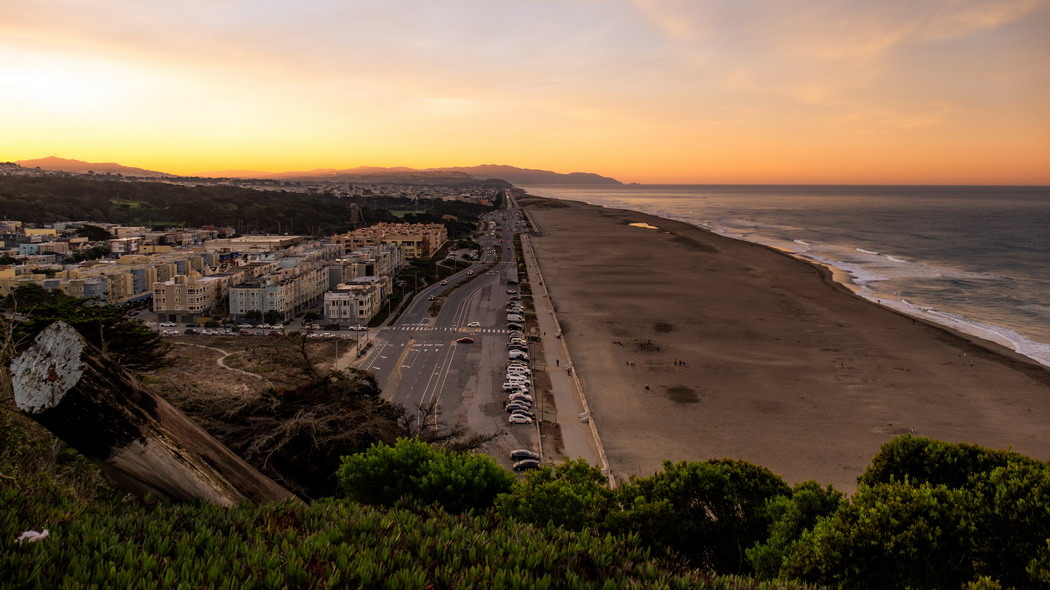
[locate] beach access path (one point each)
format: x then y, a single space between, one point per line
694 346
579 434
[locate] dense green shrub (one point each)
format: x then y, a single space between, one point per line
791 516
574 495
709 512
329 544
891 536
923 460
414 471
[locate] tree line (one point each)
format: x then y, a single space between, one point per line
50 199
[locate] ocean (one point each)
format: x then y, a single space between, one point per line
974 258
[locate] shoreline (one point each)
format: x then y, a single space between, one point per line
999 336
818 408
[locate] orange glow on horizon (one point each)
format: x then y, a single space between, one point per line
824 93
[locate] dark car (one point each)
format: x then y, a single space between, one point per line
465 340
515 327
520 454
526 465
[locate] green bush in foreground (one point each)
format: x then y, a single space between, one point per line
416 472
329 544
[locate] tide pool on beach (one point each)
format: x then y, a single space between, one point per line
973 258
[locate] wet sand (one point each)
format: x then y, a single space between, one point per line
693 346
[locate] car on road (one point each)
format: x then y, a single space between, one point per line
431 298
526 465
465 340
470 272
520 454
519 419
444 282
473 324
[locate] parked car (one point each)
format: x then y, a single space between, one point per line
511 292
525 413
511 408
519 454
168 324
519 397
517 354
465 340
526 465
519 419
515 327
358 328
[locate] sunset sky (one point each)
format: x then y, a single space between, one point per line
689 91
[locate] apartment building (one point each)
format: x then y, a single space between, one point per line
418 240
186 297
285 291
352 304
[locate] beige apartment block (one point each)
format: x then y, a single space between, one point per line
352 304
419 240
185 297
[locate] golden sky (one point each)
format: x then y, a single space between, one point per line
677 91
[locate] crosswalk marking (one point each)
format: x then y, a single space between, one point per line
447 329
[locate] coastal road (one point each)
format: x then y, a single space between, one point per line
417 360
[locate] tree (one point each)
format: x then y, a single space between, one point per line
128 341
709 512
917 460
792 516
1012 515
573 495
415 472
273 317
891 536
93 233
253 315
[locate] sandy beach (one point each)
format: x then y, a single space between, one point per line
693 346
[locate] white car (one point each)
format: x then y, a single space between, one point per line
473 324
168 324
519 419
519 397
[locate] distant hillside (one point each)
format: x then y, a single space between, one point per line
64 165
372 174
516 175
403 175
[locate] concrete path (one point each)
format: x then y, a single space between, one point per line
579 432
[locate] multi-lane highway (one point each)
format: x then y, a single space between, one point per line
418 360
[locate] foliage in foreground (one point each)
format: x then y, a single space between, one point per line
414 471
329 544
